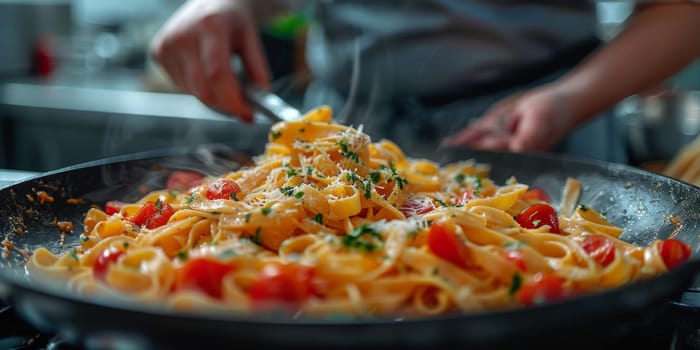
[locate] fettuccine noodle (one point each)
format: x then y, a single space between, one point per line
326 222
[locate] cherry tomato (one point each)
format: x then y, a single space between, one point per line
153 214
222 189
182 180
536 194
113 207
202 273
161 217
541 288
516 258
107 257
600 248
465 197
539 215
416 205
445 244
285 285
674 252
146 212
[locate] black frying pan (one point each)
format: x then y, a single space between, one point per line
638 201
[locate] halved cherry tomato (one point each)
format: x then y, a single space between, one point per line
674 252
222 189
153 214
445 244
113 207
282 285
600 248
538 215
515 256
417 205
536 194
146 212
465 197
183 180
541 288
202 273
107 257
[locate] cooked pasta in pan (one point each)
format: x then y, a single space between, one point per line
326 222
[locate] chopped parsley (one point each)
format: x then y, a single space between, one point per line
276 134
266 210
299 194
515 284
126 245
309 170
319 218
514 245
352 177
74 254
399 180
257 238
367 188
346 152
459 177
375 176
442 203
191 198
583 207
354 239
536 223
291 172
182 255
287 190
234 196
159 204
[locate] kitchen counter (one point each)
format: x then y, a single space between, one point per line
70 119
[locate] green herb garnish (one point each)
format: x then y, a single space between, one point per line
287 190
182 255
276 134
299 194
514 245
319 218
257 238
266 211
74 254
354 239
515 284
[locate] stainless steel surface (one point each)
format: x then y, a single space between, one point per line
270 105
657 126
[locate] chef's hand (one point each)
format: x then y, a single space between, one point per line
195 48
533 121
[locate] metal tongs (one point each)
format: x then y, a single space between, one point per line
269 104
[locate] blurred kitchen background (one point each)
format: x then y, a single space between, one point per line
76 84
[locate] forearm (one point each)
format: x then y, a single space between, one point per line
659 40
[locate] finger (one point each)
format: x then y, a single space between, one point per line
194 79
529 136
163 54
225 88
495 141
253 57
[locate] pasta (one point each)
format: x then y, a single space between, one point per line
326 222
